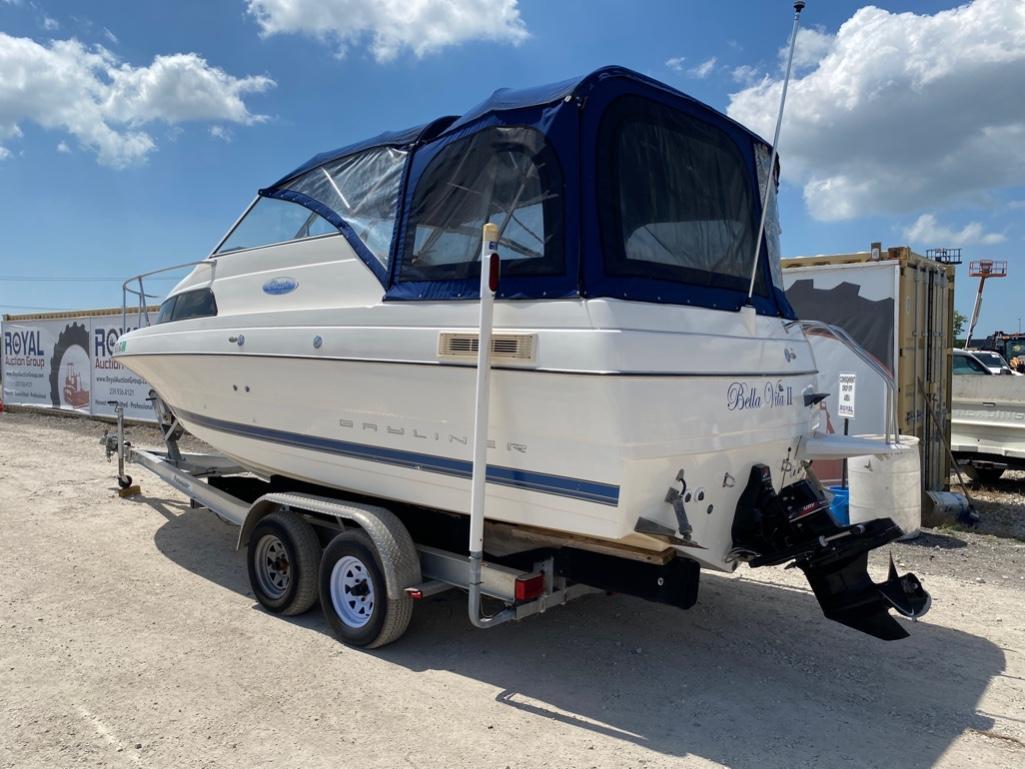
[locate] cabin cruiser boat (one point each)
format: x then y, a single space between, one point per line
642 403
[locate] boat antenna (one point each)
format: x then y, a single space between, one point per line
769 186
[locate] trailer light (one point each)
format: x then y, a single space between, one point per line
415 593
494 267
529 587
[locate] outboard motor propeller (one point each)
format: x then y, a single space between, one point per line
905 594
795 525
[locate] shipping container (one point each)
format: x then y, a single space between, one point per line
899 306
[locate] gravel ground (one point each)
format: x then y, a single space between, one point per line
129 638
1001 505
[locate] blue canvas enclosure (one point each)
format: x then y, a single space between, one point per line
609 185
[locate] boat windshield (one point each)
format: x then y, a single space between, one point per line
271 221
676 198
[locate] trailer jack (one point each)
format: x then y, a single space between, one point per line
116 444
795 526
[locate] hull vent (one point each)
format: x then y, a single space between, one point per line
508 347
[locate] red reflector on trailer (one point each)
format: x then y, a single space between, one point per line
529 588
494 267
414 593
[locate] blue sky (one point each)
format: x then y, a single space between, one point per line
170 170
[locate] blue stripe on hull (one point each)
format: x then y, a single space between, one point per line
575 488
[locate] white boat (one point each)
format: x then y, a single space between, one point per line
641 401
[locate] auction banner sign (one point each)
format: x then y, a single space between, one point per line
67 363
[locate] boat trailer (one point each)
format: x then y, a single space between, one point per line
411 571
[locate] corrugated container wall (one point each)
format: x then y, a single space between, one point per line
923 335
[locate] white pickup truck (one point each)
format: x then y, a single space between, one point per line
987 432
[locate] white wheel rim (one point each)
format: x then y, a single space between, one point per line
352 591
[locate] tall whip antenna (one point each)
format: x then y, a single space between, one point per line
769 186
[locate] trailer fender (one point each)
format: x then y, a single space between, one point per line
399 561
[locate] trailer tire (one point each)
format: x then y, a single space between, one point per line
354 596
282 557
985 474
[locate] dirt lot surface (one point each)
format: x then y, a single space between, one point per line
129 638
1000 504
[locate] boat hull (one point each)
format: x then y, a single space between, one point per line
587 454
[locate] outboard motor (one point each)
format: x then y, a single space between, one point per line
795 525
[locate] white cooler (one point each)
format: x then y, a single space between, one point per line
888 486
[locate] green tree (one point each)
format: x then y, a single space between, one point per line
960 321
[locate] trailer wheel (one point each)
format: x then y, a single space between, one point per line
353 595
283 555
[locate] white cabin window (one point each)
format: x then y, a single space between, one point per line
272 221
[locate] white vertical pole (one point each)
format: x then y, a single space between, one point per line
489 247
489 267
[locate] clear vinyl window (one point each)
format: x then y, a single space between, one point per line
505 175
676 198
363 190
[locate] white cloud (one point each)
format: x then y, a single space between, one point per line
63 148
676 63
927 230
903 111
704 69
220 132
104 102
391 26
50 25
1016 204
111 37
4 153
745 74
812 46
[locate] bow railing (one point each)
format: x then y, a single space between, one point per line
135 287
